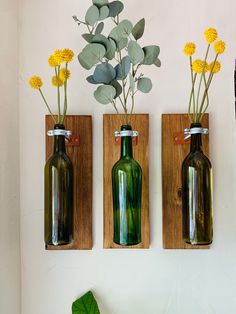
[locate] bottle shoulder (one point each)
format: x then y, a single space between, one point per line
126 164
59 160
196 159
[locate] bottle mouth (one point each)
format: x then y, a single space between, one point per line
59 126
126 127
195 125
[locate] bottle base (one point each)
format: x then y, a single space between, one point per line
198 243
127 244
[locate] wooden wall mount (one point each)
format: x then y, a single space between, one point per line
174 150
112 123
81 156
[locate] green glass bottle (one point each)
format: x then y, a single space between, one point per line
58 195
127 195
197 194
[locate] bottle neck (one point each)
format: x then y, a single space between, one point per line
59 140
196 139
126 143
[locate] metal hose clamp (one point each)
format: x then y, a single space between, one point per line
65 133
126 133
189 132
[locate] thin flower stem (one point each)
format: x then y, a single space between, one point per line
47 105
114 105
65 99
193 78
190 100
58 94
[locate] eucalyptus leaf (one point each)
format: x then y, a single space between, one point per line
135 52
88 37
118 88
122 30
122 44
144 85
105 94
85 304
92 15
115 8
131 82
122 69
91 80
138 29
91 55
101 39
111 51
103 12
100 3
99 28
104 73
151 54
158 63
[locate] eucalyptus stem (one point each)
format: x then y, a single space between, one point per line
114 105
47 105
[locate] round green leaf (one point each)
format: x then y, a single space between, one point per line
100 3
91 55
101 39
99 28
88 37
105 94
144 85
92 15
131 82
122 44
111 51
115 8
117 87
158 63
103 13
122 69
135 52
151 53
104 73
138 29
91 80
122 30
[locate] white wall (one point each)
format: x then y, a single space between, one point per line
9 161
151 281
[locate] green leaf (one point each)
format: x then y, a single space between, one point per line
122 44
88 37
122 69
100 3
104 73
122 30
91 80
118 88
85 305
131 82
104 13
115 8
157 63
138 29
92 15
99 28
135 52
91 55
105 94
102 40
144 85
111 51
151 54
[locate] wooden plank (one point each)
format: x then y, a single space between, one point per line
81 157
173 155
112 123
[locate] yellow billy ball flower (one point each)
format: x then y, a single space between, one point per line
64 74
215 67
199 66
68 55
57 81
189 49
219 47
58 56
53 62
36 82
210 35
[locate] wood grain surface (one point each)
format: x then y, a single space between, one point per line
172 157
81 157
112 123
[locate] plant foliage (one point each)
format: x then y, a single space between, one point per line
85 305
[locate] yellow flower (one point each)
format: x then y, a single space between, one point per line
58 56
57 81
53 62
64 74
215 67
68 55
198 66
210 35
219 47
36 82
189 49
